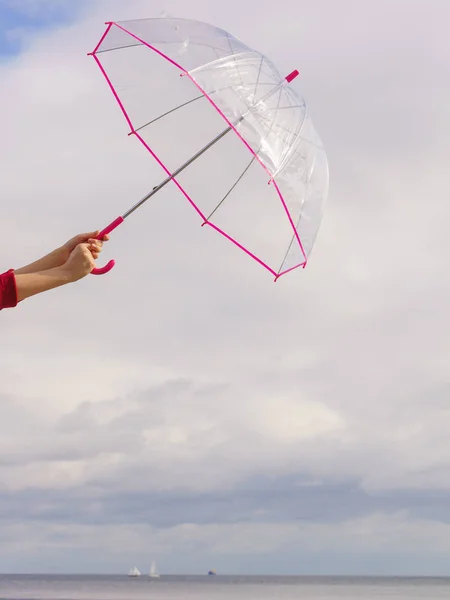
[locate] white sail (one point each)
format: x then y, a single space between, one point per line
153 571
134 572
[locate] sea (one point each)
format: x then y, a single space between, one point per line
79 587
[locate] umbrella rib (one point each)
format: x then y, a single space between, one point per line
177 107
140 43
170 111
232 188
259 74
119 48
286 255
234 59
300 214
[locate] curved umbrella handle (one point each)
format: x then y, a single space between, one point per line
100 236
103 270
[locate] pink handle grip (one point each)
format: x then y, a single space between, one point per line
101 235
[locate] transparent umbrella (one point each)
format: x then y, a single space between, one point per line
226 128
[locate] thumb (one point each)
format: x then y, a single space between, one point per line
94 235
84 237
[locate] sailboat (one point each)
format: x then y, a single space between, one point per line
153 572
134 572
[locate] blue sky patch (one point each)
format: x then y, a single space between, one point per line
17 16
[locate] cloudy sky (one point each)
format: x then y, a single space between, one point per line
184 407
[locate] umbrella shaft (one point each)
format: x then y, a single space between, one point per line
178 171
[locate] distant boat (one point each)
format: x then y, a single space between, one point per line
212 572
153 571
134 572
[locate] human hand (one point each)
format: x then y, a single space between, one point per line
82 238
80 262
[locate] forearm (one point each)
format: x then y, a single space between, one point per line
49 261
29 284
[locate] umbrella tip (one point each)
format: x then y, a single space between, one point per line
292 76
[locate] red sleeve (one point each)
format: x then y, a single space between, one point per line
8 290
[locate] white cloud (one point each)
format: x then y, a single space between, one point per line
377 534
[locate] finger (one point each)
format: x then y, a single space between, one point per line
94 235
84 237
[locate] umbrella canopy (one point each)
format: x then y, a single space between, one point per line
232 134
